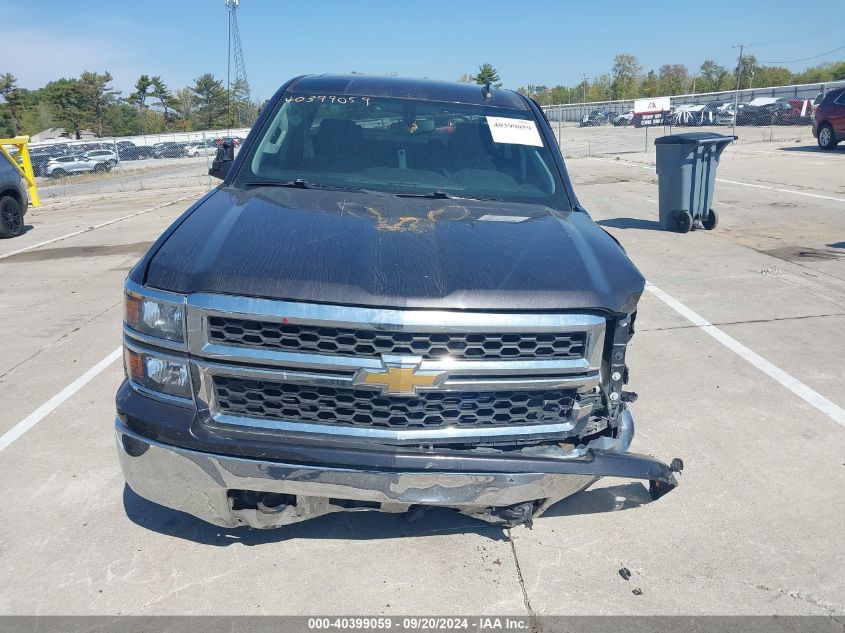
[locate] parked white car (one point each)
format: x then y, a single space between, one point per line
65 165
726 114
202 149
624 119
103 155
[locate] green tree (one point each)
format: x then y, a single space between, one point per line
185 102
209 101
10 115
122 119
600 88
99 97
626 76
746 72
672 79
486 73
68 104
711 76
244 111
581 91
650 86
772 76
142 91
164 97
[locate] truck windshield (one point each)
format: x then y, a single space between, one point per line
405 147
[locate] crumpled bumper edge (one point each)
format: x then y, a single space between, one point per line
201 483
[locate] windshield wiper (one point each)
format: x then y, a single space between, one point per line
301 183
439 194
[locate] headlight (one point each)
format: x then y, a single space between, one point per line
158 373
156 318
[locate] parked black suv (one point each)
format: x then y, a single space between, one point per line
377 311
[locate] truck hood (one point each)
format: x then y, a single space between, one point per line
379 250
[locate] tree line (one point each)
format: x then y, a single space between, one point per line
90 103
627 80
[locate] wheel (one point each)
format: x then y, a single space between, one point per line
100 168
711 221
683 221
827 140
11 217
58 173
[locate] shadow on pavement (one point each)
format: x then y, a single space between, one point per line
26 229
631 223
814 149
368 525
599 500
340 525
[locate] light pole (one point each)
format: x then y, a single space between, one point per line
741 48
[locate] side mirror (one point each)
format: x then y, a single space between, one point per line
222 161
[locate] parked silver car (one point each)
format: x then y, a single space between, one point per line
13 199
104 155
201 149
65 165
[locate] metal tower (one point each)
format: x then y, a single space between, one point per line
237 85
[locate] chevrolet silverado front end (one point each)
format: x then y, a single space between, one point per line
376 313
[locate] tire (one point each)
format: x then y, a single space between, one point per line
11 217
711 221
827 139
58 173
683 221
99 169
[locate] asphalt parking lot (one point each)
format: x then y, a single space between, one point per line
737 362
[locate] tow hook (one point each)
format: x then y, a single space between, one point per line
519 514
658 488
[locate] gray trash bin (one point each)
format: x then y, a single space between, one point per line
686 172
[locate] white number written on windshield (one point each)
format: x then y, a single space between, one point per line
325 98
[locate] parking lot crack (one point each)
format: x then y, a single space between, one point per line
532 616
743 322
60 339
828 608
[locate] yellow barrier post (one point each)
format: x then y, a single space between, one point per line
25 168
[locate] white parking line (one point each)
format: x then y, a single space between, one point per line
733 182
53 403
792 191
91 228
797 387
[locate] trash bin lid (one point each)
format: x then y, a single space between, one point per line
693 138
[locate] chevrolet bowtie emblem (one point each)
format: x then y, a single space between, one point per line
400 379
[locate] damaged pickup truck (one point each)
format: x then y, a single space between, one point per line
393 301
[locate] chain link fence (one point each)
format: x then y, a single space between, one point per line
173 160
781 113
180 160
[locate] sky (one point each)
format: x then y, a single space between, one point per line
536 42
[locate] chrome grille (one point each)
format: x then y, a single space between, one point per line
305 368
368 343
274 400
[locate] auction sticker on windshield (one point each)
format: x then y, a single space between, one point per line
514 131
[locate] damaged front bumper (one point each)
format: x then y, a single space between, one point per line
496 486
